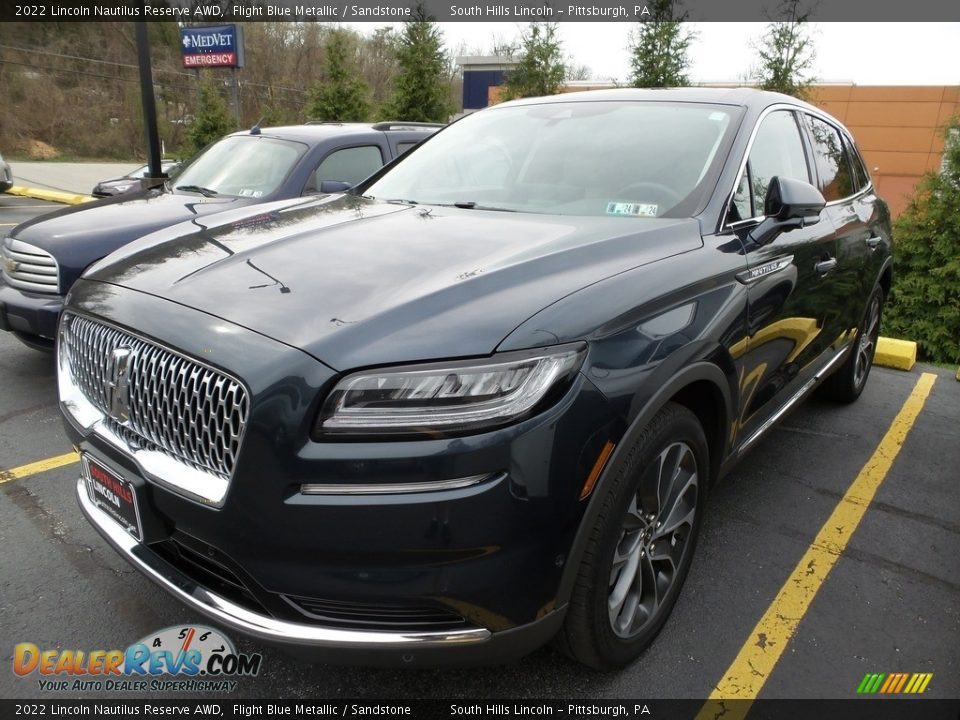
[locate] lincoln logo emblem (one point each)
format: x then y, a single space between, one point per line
118 385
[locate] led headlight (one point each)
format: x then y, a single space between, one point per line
445 398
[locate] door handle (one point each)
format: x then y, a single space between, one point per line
873 242
825 266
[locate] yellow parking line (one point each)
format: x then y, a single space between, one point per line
18 473
748 672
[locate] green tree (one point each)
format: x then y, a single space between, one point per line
925 303
212 120
420 86
659 47
540 69
786 53
343 95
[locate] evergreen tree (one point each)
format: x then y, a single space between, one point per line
343 95
925 303
786 53
659 47
540 69
420 88
212 120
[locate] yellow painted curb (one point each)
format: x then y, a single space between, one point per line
897 354
50 195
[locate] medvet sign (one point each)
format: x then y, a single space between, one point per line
212 46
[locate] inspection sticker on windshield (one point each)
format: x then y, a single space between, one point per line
633 209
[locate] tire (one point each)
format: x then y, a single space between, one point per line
846 384
613 614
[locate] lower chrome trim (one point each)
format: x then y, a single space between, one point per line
238 618
393 488
797 397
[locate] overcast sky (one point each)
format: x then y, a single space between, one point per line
864 53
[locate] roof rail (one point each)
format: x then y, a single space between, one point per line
398 125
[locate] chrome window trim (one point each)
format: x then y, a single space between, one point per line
819 114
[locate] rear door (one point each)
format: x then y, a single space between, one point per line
851 208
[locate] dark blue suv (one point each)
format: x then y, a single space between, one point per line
43 257
476 402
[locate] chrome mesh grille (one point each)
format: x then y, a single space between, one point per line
29 268
175 405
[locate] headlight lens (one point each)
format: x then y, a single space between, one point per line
447 398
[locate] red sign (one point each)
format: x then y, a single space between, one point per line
210 60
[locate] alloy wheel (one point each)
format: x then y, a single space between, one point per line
868 343
654 538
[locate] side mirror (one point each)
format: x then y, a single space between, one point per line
789 204
334 186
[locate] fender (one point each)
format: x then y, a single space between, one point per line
690 374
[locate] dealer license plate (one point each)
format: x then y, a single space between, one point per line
112 494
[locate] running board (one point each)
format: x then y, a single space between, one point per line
797 397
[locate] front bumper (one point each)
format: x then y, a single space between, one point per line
29 314
473 572
468 645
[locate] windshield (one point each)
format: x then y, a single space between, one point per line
633 159
248 166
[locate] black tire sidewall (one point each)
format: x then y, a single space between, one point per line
672 424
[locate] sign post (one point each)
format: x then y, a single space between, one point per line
154 174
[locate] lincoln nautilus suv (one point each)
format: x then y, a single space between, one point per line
475 403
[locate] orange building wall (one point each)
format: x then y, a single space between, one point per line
899 130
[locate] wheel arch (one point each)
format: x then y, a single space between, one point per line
703 389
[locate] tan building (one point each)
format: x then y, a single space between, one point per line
899 129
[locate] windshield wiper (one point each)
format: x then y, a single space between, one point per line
206 192
473 205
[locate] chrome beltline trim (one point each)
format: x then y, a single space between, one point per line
262 626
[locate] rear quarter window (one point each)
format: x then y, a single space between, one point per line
836 174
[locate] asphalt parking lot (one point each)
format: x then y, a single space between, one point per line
888 603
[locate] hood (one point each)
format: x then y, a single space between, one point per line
357 282
79 234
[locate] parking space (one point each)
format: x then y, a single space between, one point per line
15 210
890 604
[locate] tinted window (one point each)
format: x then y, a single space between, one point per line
405 145
601 158
777 152
350 165
836 176
860 176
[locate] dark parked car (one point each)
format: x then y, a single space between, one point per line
477 402
6 175
130 182
43 257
